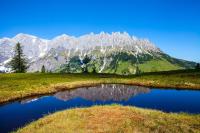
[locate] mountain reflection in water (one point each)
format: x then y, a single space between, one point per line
104 92
16 114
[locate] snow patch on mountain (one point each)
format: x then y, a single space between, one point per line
57 50
103 66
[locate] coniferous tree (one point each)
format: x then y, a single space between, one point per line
86 60
19 62
67 67
198 66
93 70
43 70
137 70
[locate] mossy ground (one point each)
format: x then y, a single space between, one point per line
114 119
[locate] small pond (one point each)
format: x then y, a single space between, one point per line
17 114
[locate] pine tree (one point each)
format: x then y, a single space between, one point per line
93 70
67 68
137 70
19 62
86 60
198 66
43 70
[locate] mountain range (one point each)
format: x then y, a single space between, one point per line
117 53
105 92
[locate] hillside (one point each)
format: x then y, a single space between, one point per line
117 53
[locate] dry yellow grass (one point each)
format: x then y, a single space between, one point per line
17 86
114 119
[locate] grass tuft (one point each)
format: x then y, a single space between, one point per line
114 118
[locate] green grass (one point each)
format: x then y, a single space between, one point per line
123 67
127 67
114 119
15 86
158 65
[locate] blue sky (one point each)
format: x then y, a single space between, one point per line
173 25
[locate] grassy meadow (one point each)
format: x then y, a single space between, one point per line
20 85
114 119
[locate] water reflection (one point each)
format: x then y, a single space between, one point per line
17 114
104 92
28 100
